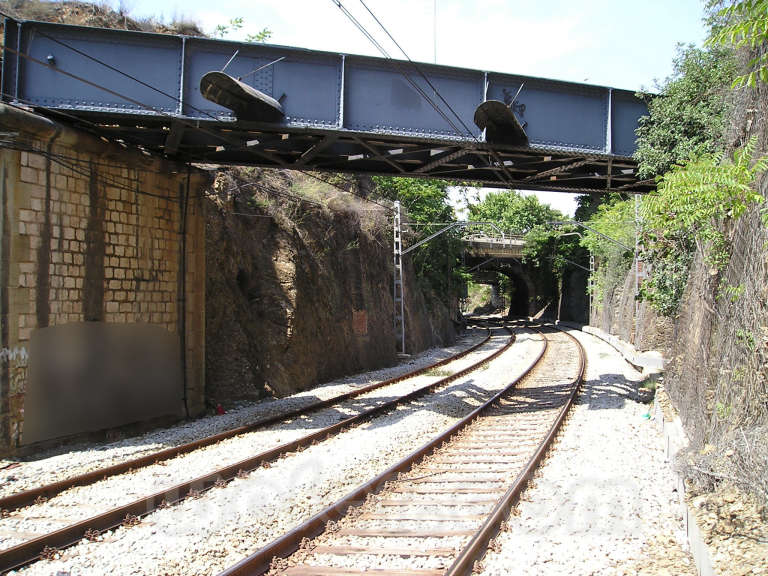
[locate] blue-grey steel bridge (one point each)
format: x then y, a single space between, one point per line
338 112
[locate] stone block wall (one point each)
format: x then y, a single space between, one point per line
95 233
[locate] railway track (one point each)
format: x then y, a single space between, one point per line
23 498
435 512
44 545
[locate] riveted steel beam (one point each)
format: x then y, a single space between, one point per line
101 76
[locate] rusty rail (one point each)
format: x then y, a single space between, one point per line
27 497
31 550
475 550
260 561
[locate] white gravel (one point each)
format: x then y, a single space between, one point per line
210 533
51 465
605 490
82 502
436 478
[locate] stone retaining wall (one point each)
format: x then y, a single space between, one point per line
95 233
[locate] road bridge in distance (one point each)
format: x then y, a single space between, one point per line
219 102
481 246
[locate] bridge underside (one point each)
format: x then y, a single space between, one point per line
338 113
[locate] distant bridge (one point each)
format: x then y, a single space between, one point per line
303 109
480 246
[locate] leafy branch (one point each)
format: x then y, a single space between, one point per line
235 24
746 26
687 212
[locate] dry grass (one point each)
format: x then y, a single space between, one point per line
100 15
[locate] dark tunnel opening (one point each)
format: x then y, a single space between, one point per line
519 298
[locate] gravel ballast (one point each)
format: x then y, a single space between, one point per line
604 501
51 466
207 534
82 502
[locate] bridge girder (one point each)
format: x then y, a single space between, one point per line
343 113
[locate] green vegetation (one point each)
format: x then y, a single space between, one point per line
437 263
518 214
700 188
744 25
477 295
235 24
615 219
686 119
545 250
513 212
687 213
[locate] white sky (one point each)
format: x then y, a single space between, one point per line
619 43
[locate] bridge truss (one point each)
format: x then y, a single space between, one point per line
339 112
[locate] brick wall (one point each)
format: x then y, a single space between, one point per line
95 233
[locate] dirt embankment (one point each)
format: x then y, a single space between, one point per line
94 14
299 282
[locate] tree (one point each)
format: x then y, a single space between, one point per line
686 119
513 212
744 25
438 262
613 218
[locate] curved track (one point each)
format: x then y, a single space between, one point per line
32 549
27 497
434 512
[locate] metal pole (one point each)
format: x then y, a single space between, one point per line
434 28
398 289
635 265
591 286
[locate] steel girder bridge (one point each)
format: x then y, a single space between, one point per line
220 102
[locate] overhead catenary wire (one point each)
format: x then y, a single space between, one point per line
176 98
70 163
418 88
386 54
419 70
217 119
66 162
437 92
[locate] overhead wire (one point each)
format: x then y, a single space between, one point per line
172 97
434 88
69 164
418 88
175 98
386 54
419 70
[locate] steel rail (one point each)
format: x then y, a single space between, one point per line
260 562
477 547
27 497
31 550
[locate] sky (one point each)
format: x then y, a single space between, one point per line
618 43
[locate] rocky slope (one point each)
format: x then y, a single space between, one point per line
299 287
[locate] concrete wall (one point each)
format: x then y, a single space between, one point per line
94 234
